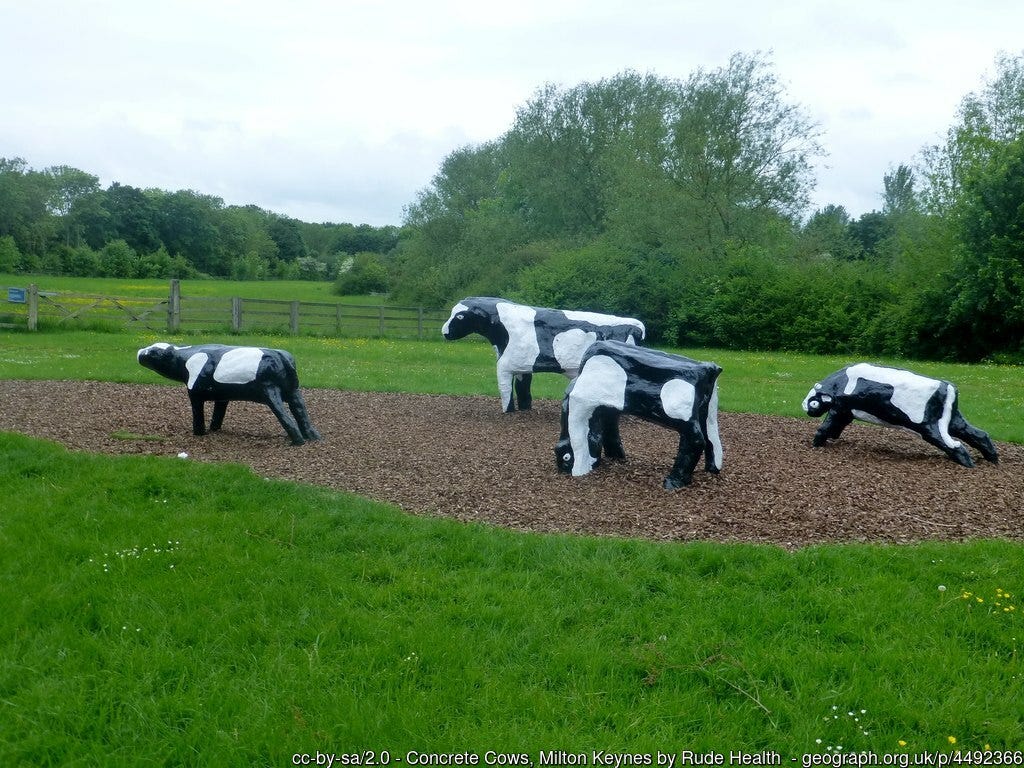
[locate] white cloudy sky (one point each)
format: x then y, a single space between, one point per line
341 110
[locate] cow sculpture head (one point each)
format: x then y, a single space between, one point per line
163 358
564 455
817 402
468 316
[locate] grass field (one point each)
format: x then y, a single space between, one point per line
157 612
160 612
282 290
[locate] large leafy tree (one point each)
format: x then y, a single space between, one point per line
988 310
987 119
72 195
24 211
188 225
741 154
973 185
567 146
132 218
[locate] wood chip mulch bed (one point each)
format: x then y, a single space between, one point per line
460 457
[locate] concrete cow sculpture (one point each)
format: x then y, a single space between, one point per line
896 398
219 373
616 378
532 340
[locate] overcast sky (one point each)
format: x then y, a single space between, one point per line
342 110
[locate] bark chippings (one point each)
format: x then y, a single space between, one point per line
460 457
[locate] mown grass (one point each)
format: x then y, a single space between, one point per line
160 612
991 396
163 612
281 290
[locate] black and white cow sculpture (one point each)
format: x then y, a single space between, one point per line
219 373
897 398
617 378
532 340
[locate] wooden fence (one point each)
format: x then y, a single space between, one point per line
30 307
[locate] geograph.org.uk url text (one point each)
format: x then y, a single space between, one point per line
673 759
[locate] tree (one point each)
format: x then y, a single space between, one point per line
70 187
285 233
739 152
828 233
187 223
899 197
989 306
567 145
132 217
985 120
24 212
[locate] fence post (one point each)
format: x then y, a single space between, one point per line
236 314
293 321
174 307
337 318
33 307
419 323
380 314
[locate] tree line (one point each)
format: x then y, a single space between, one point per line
684 202
60 221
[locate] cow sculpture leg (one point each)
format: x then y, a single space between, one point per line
832 427
198 414
298 408
220 407
611 440
691 446
958 453
974 437
276 404
603 435
521 382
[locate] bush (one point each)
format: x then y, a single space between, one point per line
10 256
365 274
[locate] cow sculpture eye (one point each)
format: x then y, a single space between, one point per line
566 457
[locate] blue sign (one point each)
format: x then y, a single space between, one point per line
16 295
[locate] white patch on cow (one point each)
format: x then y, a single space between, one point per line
238 365
158 345
947 414
194 365
596 318
523 347
677 399
911 391
713 436
602 382
569 347
460 307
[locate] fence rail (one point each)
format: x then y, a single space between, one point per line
29 307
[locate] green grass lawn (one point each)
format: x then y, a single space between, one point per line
281 290
158 611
